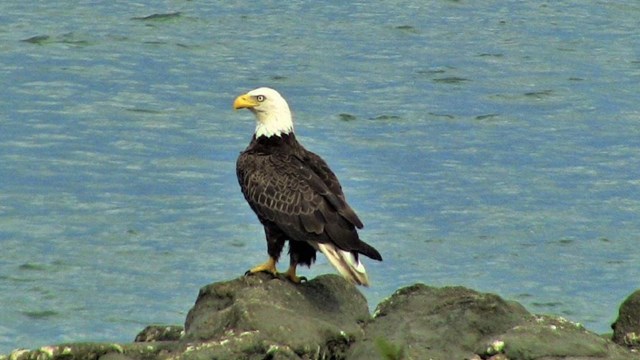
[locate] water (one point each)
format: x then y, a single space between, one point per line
493 146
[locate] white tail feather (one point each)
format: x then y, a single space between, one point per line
346 264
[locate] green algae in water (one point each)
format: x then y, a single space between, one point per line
38 39
450 80
40 314
347 117
386 117
32 267
159 17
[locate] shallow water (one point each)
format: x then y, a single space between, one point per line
489 146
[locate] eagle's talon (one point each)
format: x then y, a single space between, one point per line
250 273
268 267
293 278
290 274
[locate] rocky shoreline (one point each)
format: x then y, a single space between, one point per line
258 317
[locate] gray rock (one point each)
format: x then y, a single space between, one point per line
154 333
423 322
319 318
626 329
115 356
547 337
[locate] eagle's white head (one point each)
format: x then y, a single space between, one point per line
271 110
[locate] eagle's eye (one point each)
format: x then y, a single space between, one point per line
261 98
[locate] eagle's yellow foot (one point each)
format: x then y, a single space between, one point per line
269 267
291 275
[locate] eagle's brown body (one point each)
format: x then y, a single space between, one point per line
297 198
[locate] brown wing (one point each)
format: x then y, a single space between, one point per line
287 191
326 175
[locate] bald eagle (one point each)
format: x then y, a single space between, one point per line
296 196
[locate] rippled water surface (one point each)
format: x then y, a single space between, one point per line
492 146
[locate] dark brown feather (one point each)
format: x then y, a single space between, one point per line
295 194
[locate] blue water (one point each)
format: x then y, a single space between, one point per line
492 146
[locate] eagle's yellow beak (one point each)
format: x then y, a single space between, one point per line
244 101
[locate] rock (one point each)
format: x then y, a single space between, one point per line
438 323
154 333
114 356
315 318
422 322
547 337
626 329
259 317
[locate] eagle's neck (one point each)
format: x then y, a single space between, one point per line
274 123
282 141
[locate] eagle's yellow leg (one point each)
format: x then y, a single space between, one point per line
291 274
269 266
